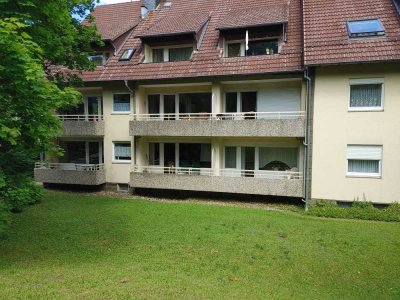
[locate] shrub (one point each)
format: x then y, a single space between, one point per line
16 194
358 210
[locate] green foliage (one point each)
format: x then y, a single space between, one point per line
358 210
62 39
36 38
20 193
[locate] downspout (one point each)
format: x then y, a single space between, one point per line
306 142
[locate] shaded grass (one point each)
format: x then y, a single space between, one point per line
93 247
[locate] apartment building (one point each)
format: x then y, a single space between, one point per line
353 48
232 96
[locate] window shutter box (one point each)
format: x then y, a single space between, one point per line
364 152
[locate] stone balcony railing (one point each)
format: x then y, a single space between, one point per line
70 173
251 124
256 182
82 125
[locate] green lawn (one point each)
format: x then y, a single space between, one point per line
90 247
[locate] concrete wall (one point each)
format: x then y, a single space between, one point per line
70 176
244 185
83 128
219 128
335 127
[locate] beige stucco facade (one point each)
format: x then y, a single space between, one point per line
116 130
335 127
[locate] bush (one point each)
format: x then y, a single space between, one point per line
358 210
16 194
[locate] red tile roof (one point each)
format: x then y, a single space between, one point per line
208 60
113 20
168 24
326 39
265 14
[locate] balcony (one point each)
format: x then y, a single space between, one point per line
82 125
251 124
256 182
70 173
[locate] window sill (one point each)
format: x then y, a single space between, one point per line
121 113
366 109
121 162
372 176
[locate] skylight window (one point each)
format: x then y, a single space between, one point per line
365 28
127 55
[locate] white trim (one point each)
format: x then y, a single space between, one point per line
117 112
360 174
364 81
166 51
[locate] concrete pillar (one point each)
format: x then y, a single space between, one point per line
217 98
141 105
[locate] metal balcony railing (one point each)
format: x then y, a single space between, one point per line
92 118
282 175
221 116
69 166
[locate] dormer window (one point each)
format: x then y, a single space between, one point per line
98 58
365 28
127 55
166 54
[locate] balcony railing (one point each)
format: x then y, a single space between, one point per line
218 172
70 166
92 118
221 116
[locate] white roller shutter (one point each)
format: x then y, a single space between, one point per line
364 152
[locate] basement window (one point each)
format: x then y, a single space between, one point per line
127 55
365 28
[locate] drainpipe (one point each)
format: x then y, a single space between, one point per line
307 138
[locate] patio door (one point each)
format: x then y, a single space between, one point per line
169 156
248 158
94 106
169 107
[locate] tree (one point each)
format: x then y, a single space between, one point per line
35 36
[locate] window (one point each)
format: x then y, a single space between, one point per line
364 161
158 55
234 50
172 54
180 54
366 95
154 154
98 58
122 103
122 152
262 47
256 47
127 55
230 157
365 28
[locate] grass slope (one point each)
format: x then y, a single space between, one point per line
74 246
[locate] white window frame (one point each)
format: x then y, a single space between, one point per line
103 54
166 51
116 112
362 82
121 161
243 45
364 175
